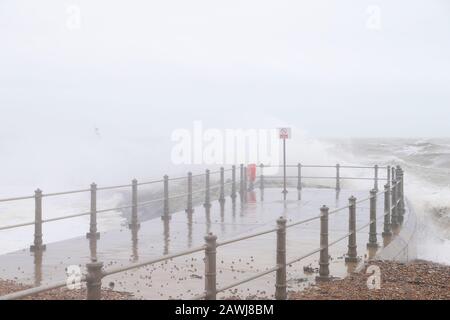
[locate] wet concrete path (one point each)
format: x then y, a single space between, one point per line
182 277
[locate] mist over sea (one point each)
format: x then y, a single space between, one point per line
114 161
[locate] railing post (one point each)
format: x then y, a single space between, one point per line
352 253
393 177
299 179
245 183
389 175
207 203
189 208
37 245
373 220
394 214
387 211
166 198
233 182
210 266
324 270
94 280
280 285
134 202
93 234
401 210
261 179
375 187
241 182
338 177
222 186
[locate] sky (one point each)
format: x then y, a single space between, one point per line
93 90
332 68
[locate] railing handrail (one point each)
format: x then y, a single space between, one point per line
325 178
320 166
75 215
139 205
36 290
146 203
390 187
273 269
52 194
152 261
300 176
111 271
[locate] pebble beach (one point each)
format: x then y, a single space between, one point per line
418 280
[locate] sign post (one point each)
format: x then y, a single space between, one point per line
284 133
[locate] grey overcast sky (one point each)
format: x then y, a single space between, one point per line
333 68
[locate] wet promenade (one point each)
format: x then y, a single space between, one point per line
182 277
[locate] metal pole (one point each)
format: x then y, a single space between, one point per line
94 280
233 182
338 177
207 203
189 208
387 211
222 186
38 245
210 267
376 178
93 234
166 197
280 285
389 175
299 179
394 215
245 183
261 179
401 211
251 182
241 182
373 220
324 271
352 253
134 202
284 170
393 177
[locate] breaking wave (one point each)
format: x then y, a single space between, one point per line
427 184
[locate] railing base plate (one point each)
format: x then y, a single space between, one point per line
91 235
323 278
36 248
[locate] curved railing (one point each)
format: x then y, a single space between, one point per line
394 209
39 195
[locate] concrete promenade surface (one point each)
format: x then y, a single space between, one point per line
183 277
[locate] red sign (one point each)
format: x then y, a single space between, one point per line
284 133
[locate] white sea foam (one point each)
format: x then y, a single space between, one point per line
427 187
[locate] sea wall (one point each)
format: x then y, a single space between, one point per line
403 247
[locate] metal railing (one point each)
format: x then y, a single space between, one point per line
394 209
39 195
